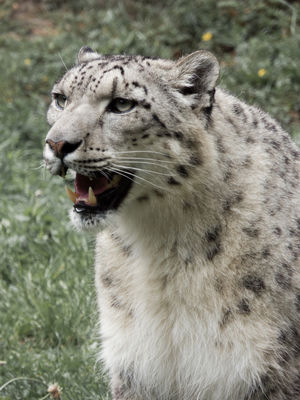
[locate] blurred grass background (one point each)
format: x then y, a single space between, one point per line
47 306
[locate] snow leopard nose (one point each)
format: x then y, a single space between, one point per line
62 148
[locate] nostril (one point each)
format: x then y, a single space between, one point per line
62 147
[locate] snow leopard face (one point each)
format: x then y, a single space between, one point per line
121 123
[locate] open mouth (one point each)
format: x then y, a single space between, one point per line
98 194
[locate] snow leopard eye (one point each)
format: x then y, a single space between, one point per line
60 100
120 105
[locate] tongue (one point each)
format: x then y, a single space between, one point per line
82 184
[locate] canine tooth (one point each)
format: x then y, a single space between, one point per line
92 198
72 195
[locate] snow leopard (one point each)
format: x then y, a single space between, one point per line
194 199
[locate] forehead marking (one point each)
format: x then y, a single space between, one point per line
114 86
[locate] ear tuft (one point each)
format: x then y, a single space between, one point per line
197 73
86 54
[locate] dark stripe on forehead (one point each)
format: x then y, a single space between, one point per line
120 68
114 86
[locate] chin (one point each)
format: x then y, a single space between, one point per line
88 222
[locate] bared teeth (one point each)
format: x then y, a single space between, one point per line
72 196
92 198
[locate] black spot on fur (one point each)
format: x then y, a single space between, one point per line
190 144
186 206
181 169
107 280
145 136
284 281
172 181
220 145
269 124
195 160
233 201
178 136
158 193
213 238
251 231
254 283
243 307
246 163
275 144
266 252
238 110
250 140
227 317
115 302
120 68
142 199
155 117
277 231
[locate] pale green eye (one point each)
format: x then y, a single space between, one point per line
60 100
120 105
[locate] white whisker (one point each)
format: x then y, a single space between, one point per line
117 170
141 151
141 159
63 62
145 163
140 169
42 165
105 175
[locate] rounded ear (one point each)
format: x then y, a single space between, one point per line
86 54
197 73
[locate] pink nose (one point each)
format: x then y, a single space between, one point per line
62 147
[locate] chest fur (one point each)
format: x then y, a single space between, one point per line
163 325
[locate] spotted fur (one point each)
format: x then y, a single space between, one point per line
197 271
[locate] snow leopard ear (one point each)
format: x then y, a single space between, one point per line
197 73
86 54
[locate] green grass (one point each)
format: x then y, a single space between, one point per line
47 308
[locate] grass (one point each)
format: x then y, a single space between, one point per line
47 309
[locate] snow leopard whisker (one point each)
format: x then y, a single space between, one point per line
105 175
139 163
141 151
121 172
41 166
61 59
145 159
125 174
141 169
